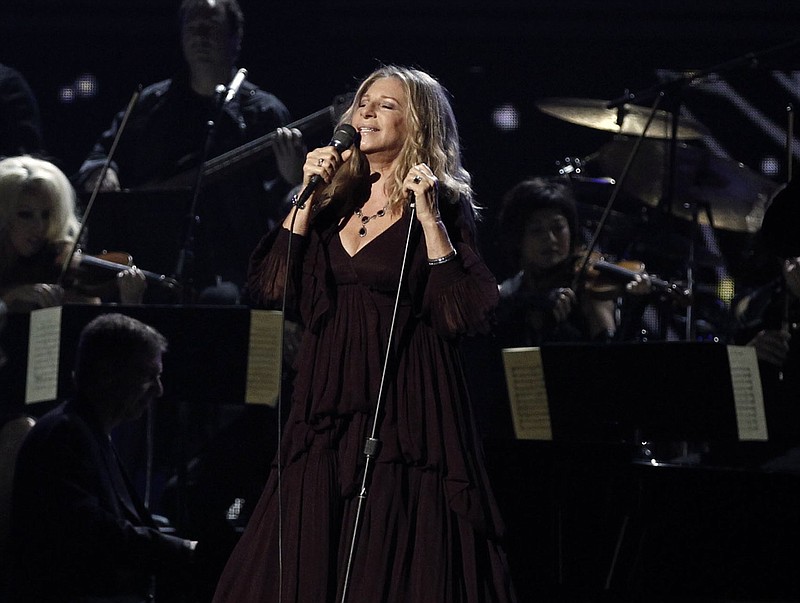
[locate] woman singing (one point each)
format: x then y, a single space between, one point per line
429 526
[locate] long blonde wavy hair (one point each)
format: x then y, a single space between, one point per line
433 139
25 174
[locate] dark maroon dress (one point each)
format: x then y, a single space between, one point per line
429 528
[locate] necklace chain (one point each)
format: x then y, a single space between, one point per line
362 232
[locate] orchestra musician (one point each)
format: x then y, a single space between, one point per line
166 134
541 302
768 318
431 527
37 229
79 531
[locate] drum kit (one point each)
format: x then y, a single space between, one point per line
728 195
655 184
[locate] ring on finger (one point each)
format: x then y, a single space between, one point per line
320 161
417 179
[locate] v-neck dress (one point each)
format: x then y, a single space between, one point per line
429 527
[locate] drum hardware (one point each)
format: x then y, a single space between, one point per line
735 195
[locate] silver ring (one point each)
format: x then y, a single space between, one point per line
320 161
417 179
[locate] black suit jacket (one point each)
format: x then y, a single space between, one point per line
77 526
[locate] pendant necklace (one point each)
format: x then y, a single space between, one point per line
362 232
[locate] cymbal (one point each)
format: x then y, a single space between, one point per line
735 195
629 119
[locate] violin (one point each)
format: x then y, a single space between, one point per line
92 270
607 280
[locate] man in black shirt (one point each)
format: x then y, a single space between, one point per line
79 531
164 140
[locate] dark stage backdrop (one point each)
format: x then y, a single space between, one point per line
494 55
491 55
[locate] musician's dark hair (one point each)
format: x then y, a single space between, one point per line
109 343
531 195
232 10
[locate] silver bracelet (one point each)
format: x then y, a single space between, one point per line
442 260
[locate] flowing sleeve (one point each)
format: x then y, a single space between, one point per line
461 295
307 293
266 275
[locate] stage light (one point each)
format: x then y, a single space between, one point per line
726 290
67 95
506 118
770 166
86 85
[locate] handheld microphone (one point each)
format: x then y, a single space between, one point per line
342 140
233 87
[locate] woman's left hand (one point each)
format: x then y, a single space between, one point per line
421 181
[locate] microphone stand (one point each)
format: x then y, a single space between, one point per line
673 89
372 444
750 59
184 272
184 267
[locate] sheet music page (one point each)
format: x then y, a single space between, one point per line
530 409
747 393
264 357
41 382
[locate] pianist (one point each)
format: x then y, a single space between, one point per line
78 529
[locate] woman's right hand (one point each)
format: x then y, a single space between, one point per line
323 162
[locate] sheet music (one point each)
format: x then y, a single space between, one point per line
41 383
747 393
264 357
530 409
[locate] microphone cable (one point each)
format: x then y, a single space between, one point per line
342 139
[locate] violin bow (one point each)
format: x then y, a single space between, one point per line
98 183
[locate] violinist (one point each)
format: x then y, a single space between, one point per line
37 229
768 317
540 303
